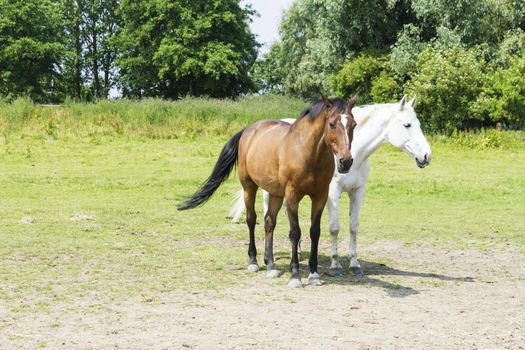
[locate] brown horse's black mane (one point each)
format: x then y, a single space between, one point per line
315 110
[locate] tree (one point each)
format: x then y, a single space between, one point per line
99 23
319 35
369 77
405 51
447 84
356 76
173 48
31 47
267 72
503 96
88 69
474 21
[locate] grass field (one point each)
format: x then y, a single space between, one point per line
92 219
109 207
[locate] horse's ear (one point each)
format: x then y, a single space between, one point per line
325 100
352 102
412 102
402 102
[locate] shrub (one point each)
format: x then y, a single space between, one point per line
447 83
503 97
385 88
357 76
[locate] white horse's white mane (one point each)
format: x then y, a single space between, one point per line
362 114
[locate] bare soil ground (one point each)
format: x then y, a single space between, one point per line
414 297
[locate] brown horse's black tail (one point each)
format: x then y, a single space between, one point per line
221 171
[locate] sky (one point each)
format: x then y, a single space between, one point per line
266 26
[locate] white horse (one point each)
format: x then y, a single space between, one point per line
377 124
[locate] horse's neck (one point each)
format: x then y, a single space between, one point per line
370 132
313 138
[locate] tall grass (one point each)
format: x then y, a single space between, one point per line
186 118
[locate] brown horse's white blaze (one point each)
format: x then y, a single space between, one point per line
288 161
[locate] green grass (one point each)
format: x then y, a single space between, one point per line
188 118
94 218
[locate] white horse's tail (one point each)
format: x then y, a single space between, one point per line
238 208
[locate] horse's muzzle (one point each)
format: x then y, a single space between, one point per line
426 160
344 165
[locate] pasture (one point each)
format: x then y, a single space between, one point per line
94 254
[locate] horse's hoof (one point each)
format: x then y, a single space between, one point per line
295 283
356 270
273 273
336 271
314 280
253 268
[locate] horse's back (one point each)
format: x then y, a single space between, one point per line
269 133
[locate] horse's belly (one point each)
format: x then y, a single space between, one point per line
266 177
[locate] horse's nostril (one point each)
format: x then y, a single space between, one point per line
426 157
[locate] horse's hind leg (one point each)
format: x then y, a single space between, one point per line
270 219
250 190
292 204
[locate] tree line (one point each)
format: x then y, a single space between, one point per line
53 49
465 59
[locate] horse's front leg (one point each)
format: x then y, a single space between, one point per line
333 218
292 204
318 204
356 201
270 220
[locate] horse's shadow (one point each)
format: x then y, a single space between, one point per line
372 272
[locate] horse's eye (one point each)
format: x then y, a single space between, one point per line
407 125
332 126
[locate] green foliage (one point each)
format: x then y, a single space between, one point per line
385 88
186 118
405 51
447 83
31 45
503 97
510 48
483 139
367 76
173 48
473 21
318 36
356 76
268 73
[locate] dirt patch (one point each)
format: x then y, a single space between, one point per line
412 297
83 217
28 220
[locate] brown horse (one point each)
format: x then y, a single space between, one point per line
288 161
